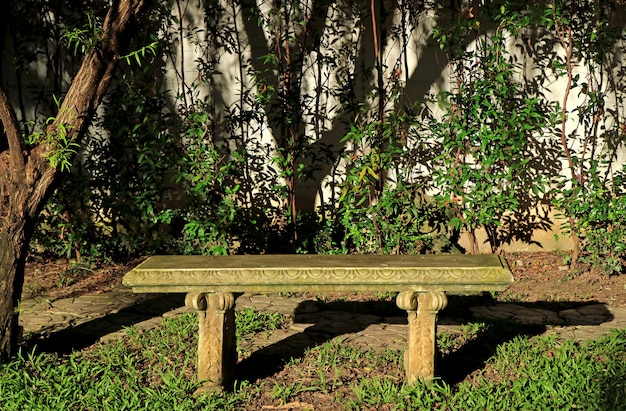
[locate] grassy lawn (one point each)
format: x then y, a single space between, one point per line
155 370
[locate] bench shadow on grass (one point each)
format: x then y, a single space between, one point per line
91 331
507 321
330 320
322 322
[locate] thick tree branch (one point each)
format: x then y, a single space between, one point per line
95 74
12 130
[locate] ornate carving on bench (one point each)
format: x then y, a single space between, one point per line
336 275
217 351
422 309
196 301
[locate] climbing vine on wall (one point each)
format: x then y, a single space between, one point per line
488 131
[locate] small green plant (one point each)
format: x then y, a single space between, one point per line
488 130
598 209
285 392
63 146
139 56
376 392
84 39
448 342
249 321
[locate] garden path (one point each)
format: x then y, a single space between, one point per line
75 322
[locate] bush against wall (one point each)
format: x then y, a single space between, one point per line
211 147
590 195
488 133
149 179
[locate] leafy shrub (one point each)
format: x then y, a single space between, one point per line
107 205
599 211
487 132
209 207
383 207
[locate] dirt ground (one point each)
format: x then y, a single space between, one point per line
539 276
63 278
543 276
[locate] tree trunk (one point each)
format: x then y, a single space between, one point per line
14 242
27 178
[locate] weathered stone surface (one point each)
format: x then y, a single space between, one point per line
217 354
592 314
37 316
454 274
422 309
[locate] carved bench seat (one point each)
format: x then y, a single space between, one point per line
422 282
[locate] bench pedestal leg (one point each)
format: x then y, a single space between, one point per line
422 309
217 353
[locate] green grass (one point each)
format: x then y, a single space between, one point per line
525 374
249 321
155 370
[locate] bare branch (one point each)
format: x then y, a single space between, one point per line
12 130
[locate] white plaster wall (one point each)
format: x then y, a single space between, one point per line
427 73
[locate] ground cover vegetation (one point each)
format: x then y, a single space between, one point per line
155 370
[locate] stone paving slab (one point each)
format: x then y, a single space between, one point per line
43 315
596 319
105 315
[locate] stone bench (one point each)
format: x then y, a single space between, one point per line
421 280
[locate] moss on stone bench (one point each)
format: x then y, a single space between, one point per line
422 282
